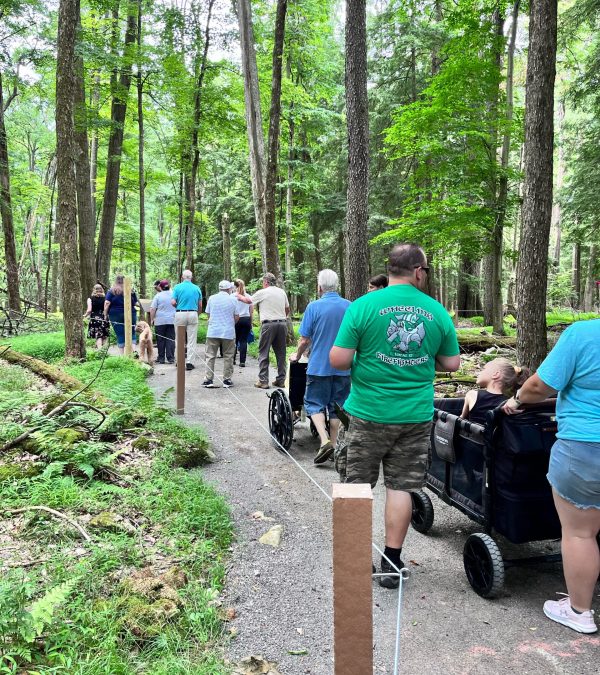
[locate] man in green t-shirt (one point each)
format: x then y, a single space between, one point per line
394 339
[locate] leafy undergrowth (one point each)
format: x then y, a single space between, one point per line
142 596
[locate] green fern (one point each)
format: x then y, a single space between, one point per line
42 610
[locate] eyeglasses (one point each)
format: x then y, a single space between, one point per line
422 267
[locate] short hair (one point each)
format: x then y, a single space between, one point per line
187 274
157 283
327 280
379 281
270 279
404 259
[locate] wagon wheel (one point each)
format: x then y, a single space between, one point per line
483 565
281 421
422 511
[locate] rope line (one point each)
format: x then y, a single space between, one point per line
403 574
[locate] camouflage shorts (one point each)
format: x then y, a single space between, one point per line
402 449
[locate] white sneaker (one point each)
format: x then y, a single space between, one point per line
561 612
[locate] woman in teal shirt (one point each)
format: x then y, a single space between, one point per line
572 369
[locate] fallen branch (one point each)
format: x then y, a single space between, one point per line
45 370
58 514
479 343
28 563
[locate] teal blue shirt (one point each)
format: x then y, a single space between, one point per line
572 368
187 295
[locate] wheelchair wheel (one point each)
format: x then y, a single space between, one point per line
483 565
422 511
281 421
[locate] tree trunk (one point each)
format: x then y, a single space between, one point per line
590 280
141 177
289 193
467 301
271 243
115 148
532 269
492 309
357 114
95 104
256 140
226 229
190 191
10 248
576 276
560 179
85 208
66 86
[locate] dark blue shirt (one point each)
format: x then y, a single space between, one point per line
320 323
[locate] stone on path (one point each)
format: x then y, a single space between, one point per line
272 537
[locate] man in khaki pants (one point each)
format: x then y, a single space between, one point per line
187 300
222 316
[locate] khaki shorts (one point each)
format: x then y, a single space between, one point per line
402 449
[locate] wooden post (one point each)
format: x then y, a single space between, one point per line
180 346
352 582
127 312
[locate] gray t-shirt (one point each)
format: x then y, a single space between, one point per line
165 312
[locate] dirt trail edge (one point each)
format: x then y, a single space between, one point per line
283 596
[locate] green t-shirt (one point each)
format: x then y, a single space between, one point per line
397 333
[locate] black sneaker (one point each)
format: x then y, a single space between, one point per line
189 366
242 365
171 362
160 361
389 581
208 384
325 452
227 383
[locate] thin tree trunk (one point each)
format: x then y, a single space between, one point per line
256 140
532 269
289 194
576 276
590 280
226 230
190 191
492 309
271 243
10 248
141 177
85 208
51 258
341 245
180 225
95 104
560 179
66 85
115 148
357 268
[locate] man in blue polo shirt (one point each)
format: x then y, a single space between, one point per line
325 386
187 300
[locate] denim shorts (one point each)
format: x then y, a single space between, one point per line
574 472
322 392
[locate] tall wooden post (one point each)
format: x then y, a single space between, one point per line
180 346
127 309
352 582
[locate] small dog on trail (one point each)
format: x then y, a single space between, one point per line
145 341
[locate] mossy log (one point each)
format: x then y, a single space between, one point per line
479 343
45 370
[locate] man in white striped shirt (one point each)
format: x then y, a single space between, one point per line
222 316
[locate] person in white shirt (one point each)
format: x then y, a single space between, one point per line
222 316
273 307
244 325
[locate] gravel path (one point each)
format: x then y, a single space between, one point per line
283 596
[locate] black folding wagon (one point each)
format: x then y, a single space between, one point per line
496 475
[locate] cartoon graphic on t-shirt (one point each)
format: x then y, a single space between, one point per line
407 333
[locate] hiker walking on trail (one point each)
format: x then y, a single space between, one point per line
571 369
393 340
162 316
98 327
187 300
244 324
222 316
273 307
325 385
114 311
